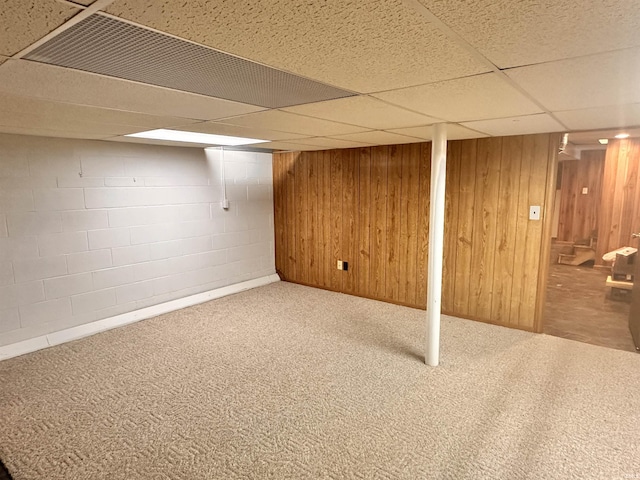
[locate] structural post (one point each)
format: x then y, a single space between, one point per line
436 243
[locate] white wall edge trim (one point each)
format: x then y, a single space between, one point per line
86 330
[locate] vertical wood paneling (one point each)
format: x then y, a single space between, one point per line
451 225
313 245
506 224
484 229
409 222
553 145
539 149
349 220
364 221
619 214
578 212
369 206
327 256
336 218
378 209
301 173
394 185
464 226
290 195
423 223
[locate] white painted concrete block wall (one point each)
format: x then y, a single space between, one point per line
90 229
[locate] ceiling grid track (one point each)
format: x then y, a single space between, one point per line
419 7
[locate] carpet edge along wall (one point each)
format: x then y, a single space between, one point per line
369 207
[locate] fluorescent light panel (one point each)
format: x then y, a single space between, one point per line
622 135
603 141
194 137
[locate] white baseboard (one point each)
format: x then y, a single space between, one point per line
81 331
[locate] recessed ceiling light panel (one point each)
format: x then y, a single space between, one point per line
194 137
622 135
603 141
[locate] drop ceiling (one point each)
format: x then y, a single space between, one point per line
371 72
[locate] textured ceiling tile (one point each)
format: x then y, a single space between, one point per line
541 123
150 141
595 81
472 98
601 117
325 142
25 21
454 132
534 31
289 122
218 128
379 138
44 114
47 82
363 111
292 147
382 44
3 59
32 123
43 132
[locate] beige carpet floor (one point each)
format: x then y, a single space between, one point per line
287 381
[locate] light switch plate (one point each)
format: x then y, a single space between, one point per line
534 212
585 190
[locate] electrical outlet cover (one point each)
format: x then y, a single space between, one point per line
534 212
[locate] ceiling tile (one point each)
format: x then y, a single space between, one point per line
18 111
218 128
533 31
541 123
454 132
150 141
601 117
289 122
473 98
25 21
43 132
47 82
598 80
363 111
3 59
382 44
325 142
292 147
379 138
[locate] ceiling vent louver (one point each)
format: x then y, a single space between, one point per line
104 45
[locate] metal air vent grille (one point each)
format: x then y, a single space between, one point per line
103 45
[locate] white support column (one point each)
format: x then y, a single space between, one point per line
436 243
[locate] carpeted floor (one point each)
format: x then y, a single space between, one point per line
287 381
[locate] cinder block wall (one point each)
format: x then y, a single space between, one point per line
93 229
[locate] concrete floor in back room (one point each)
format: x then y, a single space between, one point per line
580 307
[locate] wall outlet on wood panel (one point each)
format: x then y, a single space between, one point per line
339 264
534 212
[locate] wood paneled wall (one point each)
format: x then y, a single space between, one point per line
578 218
620 208
369 207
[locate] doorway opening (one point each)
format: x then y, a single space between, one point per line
593 255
